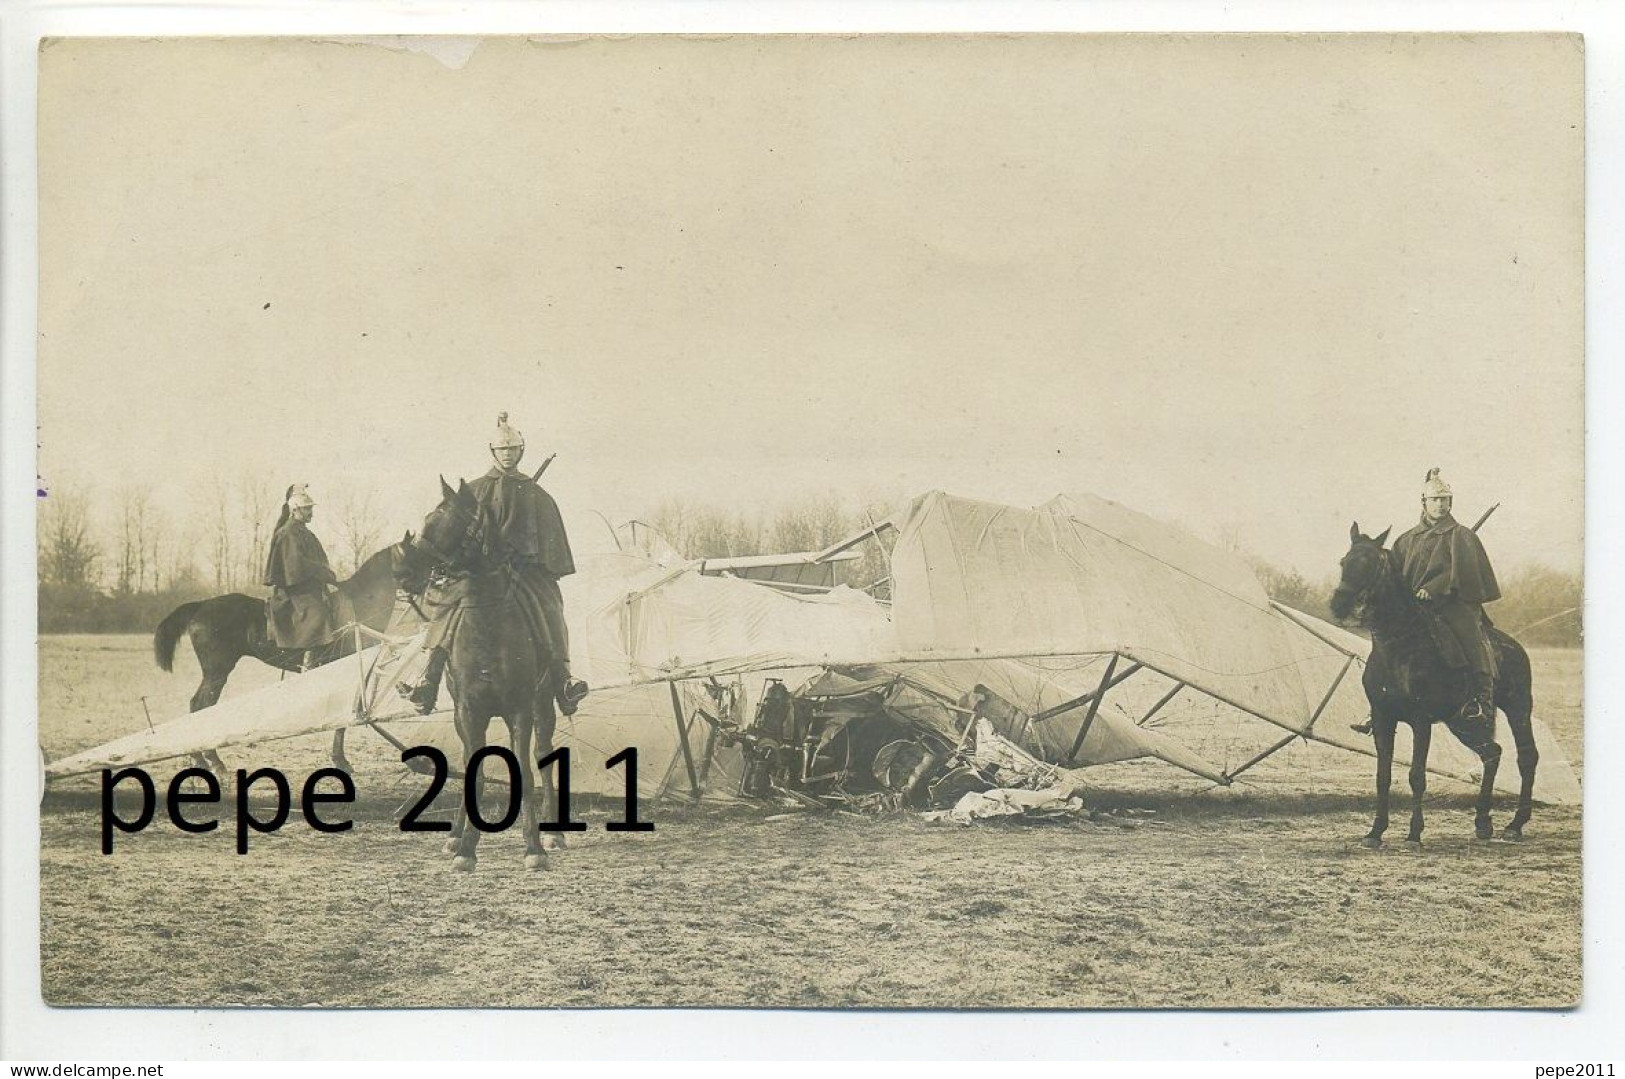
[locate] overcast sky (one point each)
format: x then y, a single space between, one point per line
1249 284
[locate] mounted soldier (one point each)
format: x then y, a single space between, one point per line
521 528
1444 565
298 615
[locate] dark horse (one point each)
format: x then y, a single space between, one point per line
498 666
226 628
1407 680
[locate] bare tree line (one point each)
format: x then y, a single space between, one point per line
700 530
100 544
1539 605
119 540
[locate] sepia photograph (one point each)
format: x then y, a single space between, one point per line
865 521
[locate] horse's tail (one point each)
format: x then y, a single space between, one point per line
169 633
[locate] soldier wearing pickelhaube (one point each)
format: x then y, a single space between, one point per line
1445 566
298 575
523 529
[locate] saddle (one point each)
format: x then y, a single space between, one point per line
1450 649
308 619
1445 641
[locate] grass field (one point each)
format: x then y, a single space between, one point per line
1173 896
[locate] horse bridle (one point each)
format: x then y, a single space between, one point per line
1362 598
1385 575
473 536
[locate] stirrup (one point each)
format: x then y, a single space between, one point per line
1476 709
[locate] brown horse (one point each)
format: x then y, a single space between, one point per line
1407 681
500 665
227 628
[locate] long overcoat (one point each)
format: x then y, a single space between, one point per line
297 572
1448 560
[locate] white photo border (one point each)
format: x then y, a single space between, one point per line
31 1030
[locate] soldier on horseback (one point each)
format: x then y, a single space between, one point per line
523 530
1445 567
299 576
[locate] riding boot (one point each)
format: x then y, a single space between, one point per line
427 689
574 690
1482 704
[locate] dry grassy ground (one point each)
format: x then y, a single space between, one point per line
1255 897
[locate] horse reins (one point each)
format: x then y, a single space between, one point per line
472 533
1386 569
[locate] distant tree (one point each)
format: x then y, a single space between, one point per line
1539 605
138 530
259 500
715 533
697 530
131 510
360 524
179 563
670 520
1542 606
69 555
703 531
808 526
222 535
1289 587
153 531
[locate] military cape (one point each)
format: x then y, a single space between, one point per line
1447 559
523 522
297 571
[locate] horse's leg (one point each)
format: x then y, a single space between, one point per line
1523 733
546 723
1382 733
340 761
459 817
1518 702
1478 735
519 728
1421 741
208 691
473 733
459 824
217 659
1490 753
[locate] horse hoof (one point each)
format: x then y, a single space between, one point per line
1512 835
1414 846
462 864
535 862
1483 829
1371 842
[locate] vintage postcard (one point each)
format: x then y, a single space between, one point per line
1010 521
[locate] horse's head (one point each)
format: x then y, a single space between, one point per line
450 535
1363 569
409 565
